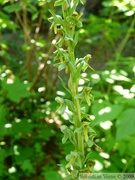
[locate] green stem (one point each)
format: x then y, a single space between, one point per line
74 90
77 116
128 164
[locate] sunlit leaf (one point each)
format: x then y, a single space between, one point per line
105 111
49 175
16 91
12 8
125 124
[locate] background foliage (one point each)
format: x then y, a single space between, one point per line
30 139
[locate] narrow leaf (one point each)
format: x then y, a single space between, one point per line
63 84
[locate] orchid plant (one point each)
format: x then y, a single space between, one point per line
67 28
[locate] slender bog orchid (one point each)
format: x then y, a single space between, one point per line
82 135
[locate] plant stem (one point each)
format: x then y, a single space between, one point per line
77 116
129 162
74 90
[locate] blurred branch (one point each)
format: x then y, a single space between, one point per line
50 51
125 40
39 22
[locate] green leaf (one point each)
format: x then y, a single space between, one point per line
126 124
131 146
24 153
4 1
35 16
122 147
63 84
77 74
49 175
16 91
61 66
69 104
6 22
74 158
58 3
105 112
12 8
59 100
2 155
3 130
27 166
45 133
68 134
71 66
87 158
87 95
23 127
76 38
62 106
57 18
90 143
64 139
78 23
79 130
2 158
82 1
2 113
74 174
68 38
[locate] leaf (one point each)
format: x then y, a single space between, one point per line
105 112
71 66
62 105
27 166
25 153
58 3
23 127
87 95
87 158
61 66
126 124
79 130
122 147
74 158
77 74
2 113
5 20
49 175
12 8
57 18
45 133
78 23
69 104
131 146
68 134
68 38
64 139
63 84
82 1
2 155
16 91
2 158
90 143
76 38
35 16
74 174
3 130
